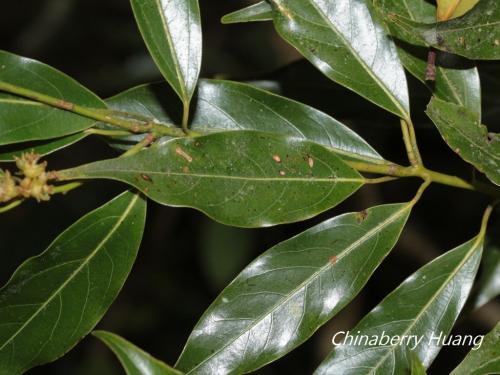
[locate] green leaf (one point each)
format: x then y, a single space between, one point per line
476 35
226 105
24 120
349 46
457 80
134 360
417 10
246 178
56 298
257 12
487 286
463 132
287 293
417 368
7 153
172 32
425 306
482 360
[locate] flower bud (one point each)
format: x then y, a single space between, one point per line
28 165
8 189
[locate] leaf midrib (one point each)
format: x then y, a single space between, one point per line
74 273
396 102
170 44
478 241
68 174
21 101
308 280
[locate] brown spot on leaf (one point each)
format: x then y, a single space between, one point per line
145 177
282 173
333 259
277 158
185 169
361 216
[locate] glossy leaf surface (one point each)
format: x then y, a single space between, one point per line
476 35
343 40
248 179
484 360
288 292
134 361
457 80
172 32
424 306
7 153
24 120
227 105
257 12
417 368
56 298
463 132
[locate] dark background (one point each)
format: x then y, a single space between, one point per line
185 259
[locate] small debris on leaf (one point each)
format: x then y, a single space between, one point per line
310 161
179 151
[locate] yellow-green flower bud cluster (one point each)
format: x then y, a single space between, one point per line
8 188
31 184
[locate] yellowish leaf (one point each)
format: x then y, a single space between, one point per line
448 9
